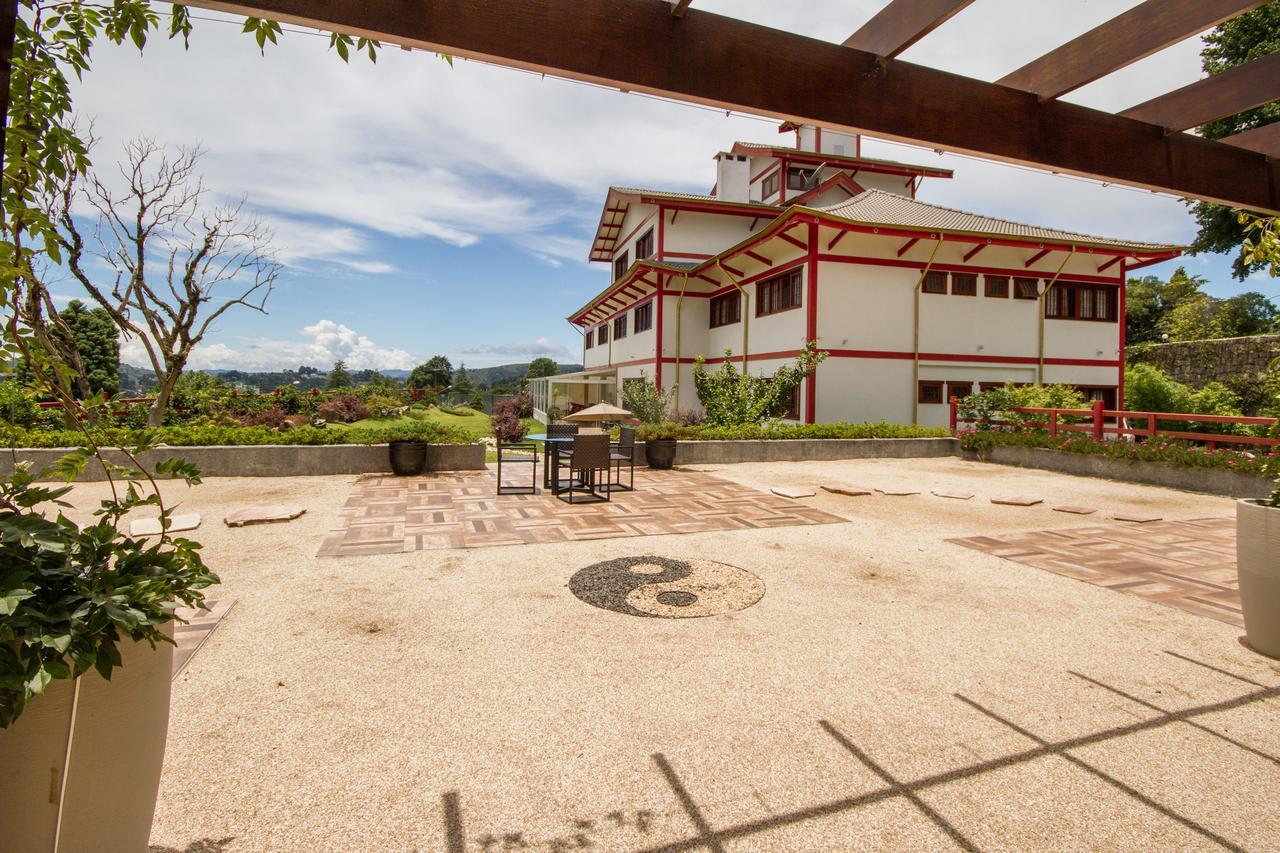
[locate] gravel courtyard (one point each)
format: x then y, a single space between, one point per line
890 690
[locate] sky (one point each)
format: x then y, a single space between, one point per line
420 208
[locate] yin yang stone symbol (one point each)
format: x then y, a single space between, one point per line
665 588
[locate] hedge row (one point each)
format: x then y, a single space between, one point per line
206 435
787 432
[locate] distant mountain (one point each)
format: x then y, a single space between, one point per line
139 380
508 372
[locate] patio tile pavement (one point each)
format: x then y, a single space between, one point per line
1190 565
199 624
391 515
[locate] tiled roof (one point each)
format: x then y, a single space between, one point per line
765 148
685 196
877 207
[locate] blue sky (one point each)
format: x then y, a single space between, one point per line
423 209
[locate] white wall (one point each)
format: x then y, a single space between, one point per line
708 233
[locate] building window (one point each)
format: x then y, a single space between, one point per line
770 186
588 338
780 293
620 327
964 284
620 265
1073 301
798 179
1026 288
935 282
793 405
997 286
602 333
644 246
959 390
644 318
929 391
726 309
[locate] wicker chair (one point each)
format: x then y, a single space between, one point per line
590 458
624 451
550 470
518 453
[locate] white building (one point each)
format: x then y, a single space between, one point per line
914 303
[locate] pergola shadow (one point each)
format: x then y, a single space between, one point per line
706 836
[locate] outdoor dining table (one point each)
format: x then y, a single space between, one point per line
549 446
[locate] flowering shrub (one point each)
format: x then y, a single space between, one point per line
1156 449
215 433
505 419
344 409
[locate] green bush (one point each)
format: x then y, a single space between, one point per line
730 397
785 432
998 404
1149 389
18 404
215 434
642 398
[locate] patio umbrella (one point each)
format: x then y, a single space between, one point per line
597 413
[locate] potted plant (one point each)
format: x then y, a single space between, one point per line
1258 565
659 444
86 651
407 453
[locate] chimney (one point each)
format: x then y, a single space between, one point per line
733 177
823 140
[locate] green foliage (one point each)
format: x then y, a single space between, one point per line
69 595
1261 245
92 336
17 404
642 398
541 367
435 372
1236 41
339 376
477 401
784 431
1149 389
383 406
462 383
998 403
731 397
231 434
1156 449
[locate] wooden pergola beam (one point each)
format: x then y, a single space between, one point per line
732 64
901 24
1265 140
1149 27
679 7
1235 90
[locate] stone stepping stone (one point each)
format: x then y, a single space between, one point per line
851 491
1017 501
1076 510
959 496
792 492
263 514
897 493
1136 519
151 526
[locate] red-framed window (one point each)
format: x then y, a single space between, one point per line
1026 288
726 309
644 317
780 293
769 187
934 282
619 327
929 391
959 388
996 286
602 333
793 405
964 284
1077 301
1105 393
589 338
644 246
621 264
798 178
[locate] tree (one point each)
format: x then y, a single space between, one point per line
540 367
87 337
1149 299
435 372
1196 319
339 377
1249 314
462 381
732 398
1234 42
212 258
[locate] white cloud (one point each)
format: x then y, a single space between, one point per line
321 345
540 347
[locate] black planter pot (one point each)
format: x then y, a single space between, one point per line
660 452
408 457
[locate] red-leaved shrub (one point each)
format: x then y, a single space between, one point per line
344 409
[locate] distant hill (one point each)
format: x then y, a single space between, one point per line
507 372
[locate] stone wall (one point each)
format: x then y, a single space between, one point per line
1198 363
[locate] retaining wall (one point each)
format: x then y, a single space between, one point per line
1213 481
274 460
806 449
1198 363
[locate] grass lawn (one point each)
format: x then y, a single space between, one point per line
473 422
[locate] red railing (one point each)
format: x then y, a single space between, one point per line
1103 422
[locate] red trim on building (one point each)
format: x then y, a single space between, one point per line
1037 256
969 255
924 356
1124 335
811 325
893 262
906 247
840 235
